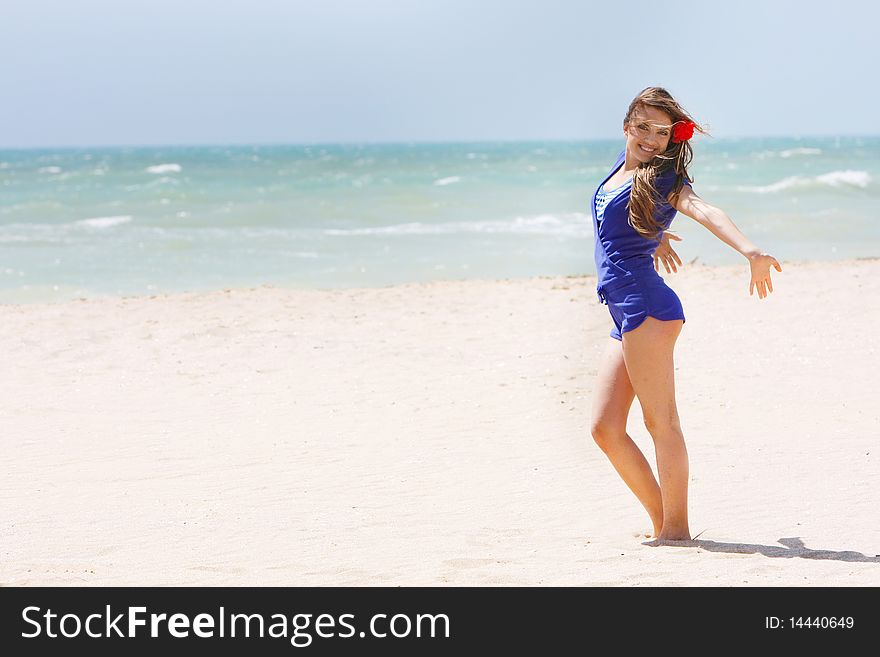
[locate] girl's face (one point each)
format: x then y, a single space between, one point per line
647 133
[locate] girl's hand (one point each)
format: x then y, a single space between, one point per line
665 254
760 264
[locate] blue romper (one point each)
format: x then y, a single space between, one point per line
627 281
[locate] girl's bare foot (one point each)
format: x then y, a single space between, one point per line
674 536
675 539
658 526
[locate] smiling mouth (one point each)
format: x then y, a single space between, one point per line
645 150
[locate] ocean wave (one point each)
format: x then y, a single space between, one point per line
848 178
165 168
103 222
49 170
164 180
574 224
791 152
838 178
788 152
447 181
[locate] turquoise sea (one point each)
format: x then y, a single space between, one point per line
90 222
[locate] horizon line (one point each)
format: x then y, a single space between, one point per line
414 142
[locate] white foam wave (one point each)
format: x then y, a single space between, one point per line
447 181
165 168
791 152
103 222
158 181
788 152
848 178
50 170
838 178
574 224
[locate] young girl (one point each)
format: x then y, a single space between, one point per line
632 208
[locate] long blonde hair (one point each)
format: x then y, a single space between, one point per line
644 195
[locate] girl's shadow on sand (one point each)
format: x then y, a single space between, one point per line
793 548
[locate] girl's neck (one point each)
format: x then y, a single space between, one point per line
629 164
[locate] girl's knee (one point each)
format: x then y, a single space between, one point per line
606 435
662 423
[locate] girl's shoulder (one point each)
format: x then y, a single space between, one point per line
666 180
664 184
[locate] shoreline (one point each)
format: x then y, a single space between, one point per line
693 263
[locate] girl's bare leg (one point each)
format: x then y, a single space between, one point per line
647 352
612 397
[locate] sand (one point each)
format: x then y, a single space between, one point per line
434 434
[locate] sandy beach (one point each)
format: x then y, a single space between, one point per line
434 434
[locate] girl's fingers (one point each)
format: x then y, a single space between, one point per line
769 284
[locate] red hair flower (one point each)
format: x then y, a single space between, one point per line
682 131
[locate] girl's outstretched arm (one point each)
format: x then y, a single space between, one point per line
720 225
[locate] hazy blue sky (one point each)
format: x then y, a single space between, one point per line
108 72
